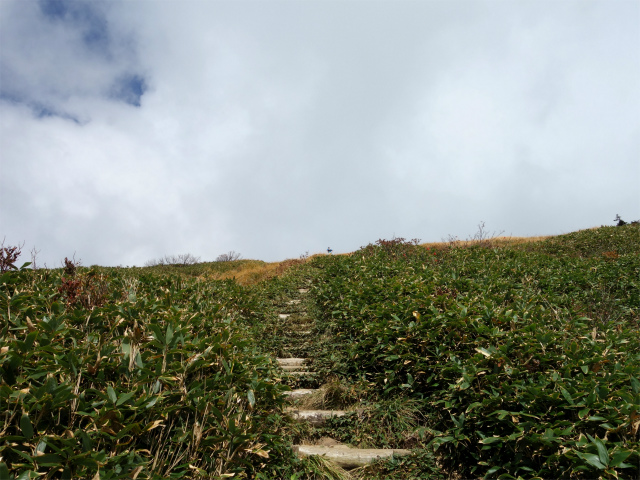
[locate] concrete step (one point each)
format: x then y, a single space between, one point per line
287 362
303 290
294 302
314 417
283 316
347 457
300 393
295 334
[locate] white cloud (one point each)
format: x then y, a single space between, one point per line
279 127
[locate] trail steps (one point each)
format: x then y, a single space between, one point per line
298 369
347 457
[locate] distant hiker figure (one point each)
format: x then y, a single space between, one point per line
329 250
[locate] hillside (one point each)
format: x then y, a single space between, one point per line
489 359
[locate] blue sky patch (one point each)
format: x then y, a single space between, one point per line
54 8
82 16
39 110
129 89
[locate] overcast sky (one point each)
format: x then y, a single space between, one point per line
134 129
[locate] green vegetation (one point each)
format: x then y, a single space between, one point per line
526 360
135 373
489 360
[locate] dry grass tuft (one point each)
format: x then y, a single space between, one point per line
255 271
334 394
251 272
495 241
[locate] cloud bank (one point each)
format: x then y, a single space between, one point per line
130 130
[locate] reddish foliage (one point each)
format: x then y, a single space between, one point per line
8 257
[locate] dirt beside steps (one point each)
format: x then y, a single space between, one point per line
298 373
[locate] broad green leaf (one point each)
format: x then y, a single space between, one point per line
592 459
28 475
501 414
26 426
4 471
169 334
251 398
217 413
49 460
30 339
440 440
124 397
567 396
489 440
24 455
619 457
153 401
484 351
603 454
157 333
112 394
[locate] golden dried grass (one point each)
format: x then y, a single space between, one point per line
498 241
256 271
251 272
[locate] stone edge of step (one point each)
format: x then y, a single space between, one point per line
301 392
347 457
314 417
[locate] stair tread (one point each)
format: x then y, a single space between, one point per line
301 392
348 457
298 361
314 417
304 411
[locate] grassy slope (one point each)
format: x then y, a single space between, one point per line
525 359
507 358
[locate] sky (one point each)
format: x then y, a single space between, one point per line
130 130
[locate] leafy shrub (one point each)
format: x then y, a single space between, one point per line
87 289
8 257
158 381
396 248
526 360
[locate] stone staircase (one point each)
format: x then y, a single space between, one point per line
299 371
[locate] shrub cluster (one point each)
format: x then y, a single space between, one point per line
8 257
154 380
526 361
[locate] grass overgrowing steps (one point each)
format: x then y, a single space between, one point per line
496 358
298 329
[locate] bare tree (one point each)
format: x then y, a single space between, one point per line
34 255
481 238
228 257
181 260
